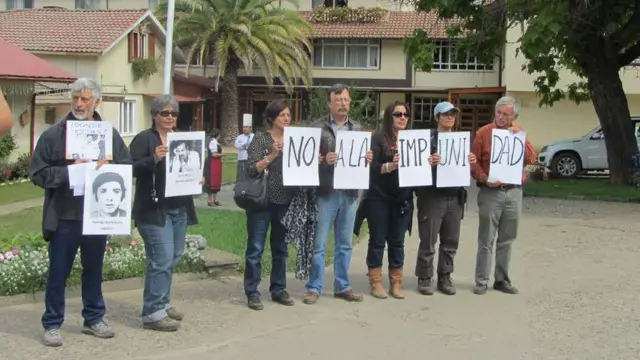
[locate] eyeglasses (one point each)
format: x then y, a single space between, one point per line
449 114
400 114
167 113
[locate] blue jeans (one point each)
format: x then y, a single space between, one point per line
63 248
164 246
337 209
257 227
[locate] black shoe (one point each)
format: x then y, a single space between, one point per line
479 289
505 287
283 299
445 285
254 303
425 286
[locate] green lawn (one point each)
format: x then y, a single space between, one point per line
19 192
229 167
224 229
596 189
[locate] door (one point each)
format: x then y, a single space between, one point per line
594 151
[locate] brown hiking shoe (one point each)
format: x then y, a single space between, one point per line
166 325
349 296
375 283
174 314
310 298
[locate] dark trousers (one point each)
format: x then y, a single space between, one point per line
257 227
63 247
438 214
388 222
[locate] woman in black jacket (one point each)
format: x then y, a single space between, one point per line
162 222
388 207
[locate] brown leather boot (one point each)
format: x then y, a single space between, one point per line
375 283
395 278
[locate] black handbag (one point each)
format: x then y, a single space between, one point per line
250 193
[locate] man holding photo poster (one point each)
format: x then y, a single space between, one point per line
63 215
499 205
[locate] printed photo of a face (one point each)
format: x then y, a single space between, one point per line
109 194
184 158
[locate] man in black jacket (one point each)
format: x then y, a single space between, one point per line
62 219
337 207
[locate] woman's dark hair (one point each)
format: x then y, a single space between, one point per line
106 177
273 109
386 129
215 133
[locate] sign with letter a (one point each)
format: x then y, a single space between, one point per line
507 156
352 169
300 153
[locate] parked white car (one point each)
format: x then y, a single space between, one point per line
569 158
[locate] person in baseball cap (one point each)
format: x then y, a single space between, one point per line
444 108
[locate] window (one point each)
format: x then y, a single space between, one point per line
127 117
329 3
141 45
88 4
18 4
346 54
444 58
422 111
153 4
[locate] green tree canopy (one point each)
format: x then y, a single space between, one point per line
243 34
594 39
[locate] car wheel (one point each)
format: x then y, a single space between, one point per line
566 165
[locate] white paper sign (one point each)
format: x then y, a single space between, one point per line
507 156
77 175
352 169
91 140
300 156
454 169
414 148
107 200
184 163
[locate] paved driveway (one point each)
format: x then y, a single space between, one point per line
576 264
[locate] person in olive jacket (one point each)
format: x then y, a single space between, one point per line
162 222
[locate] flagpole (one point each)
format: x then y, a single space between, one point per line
168 57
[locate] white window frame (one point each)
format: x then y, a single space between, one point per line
373 63
142 45
422 101
445 62
88 4
127 117
17 5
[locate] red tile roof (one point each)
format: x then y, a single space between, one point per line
395 25
17 64
63 30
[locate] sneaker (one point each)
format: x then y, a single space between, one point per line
310 298
100 330
425 286
348 296
167 324
254 303
175 314
52 338
445 285
505 287
480 289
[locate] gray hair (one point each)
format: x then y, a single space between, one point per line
87 84
508 101
161 102
336 89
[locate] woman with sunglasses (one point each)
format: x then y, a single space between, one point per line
161 221
389 208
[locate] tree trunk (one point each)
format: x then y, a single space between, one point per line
229 129
610 103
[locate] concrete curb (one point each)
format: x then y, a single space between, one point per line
107 287
585 198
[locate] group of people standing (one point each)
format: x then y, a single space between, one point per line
303 217
388 208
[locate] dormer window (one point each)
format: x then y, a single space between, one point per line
329 3
141 45
18 4
88 4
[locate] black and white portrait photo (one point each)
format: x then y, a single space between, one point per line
185 163
107 200
185 156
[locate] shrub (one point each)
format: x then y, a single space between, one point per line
7 145
21 166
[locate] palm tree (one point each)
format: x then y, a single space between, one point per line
237 34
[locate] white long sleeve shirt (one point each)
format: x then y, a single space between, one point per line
242 144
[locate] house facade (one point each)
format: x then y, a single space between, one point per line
120 49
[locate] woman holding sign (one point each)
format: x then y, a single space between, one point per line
265 154
389 208
162 221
